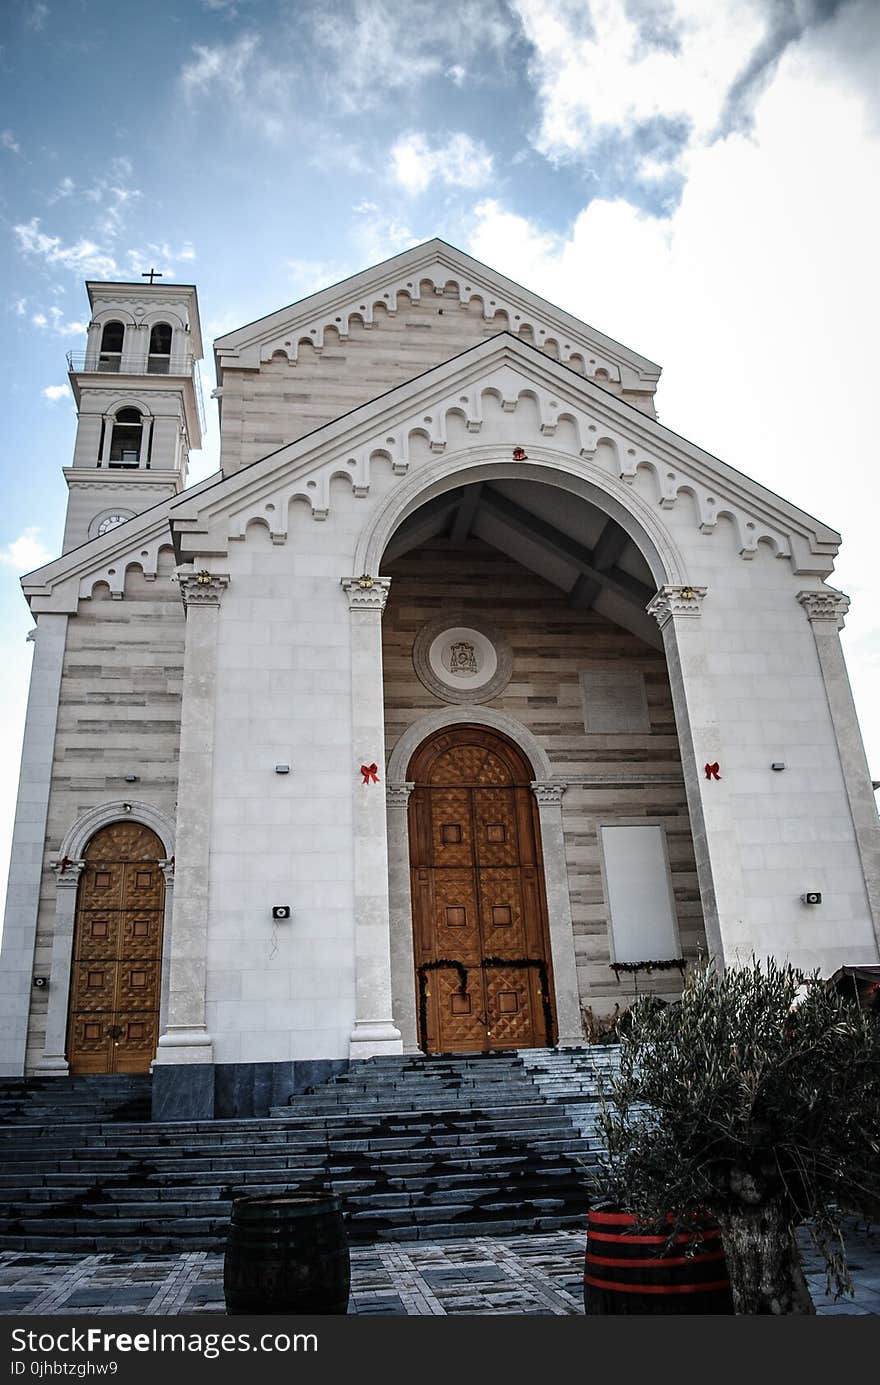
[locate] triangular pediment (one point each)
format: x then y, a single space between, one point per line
434 268
59 584
464 403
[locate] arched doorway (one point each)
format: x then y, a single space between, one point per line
482 958
117 952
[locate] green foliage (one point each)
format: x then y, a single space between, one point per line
757 1087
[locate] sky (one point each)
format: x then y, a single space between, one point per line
699 179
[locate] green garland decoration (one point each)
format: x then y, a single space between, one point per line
672 964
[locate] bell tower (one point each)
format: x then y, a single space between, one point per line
138 401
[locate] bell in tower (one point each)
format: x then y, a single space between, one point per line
138 400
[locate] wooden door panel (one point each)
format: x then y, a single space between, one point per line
497 839
91 1047
459 1017
477 893
142 935
137 985
94 986
97 934
510 1007
456 930
501 913
135 1040
116 978
144 887
100 886
451 834
469 764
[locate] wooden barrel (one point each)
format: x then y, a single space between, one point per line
631 1269
287 1254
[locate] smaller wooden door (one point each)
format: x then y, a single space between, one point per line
117 953
478 899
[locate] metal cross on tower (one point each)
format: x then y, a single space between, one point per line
151 274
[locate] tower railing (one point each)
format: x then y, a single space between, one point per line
128 363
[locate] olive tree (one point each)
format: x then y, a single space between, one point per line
756 1099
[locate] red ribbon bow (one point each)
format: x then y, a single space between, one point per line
370 773
712 771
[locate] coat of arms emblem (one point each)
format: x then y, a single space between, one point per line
462 657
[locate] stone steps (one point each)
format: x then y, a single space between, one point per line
73 1099
416 1148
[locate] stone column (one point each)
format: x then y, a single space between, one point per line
569 1023
185 1039
374 1029
28 839
108 438
826 611
716 845
53 1063
167 869
403 961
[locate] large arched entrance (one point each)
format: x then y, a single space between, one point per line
482 958
117 952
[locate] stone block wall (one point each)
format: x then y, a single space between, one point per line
119 713
262 410
624 776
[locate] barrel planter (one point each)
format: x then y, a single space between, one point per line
631 1268
287 1254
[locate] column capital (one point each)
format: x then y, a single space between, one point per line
672 602
397 795
167 869
202 588
366 593
547 791
830 605
67 873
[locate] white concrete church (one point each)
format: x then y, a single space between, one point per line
462 693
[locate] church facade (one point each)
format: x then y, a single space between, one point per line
464 702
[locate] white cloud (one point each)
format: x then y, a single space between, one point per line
254 87
230 8
66 188
610 70
8 141
26 552
157 255
308 276
55 392
760 297
380 47
594 72
54 321
222 66
35 15
82 257
460 162
377 234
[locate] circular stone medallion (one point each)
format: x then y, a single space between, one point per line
460 659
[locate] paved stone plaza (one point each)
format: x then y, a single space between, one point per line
532 1275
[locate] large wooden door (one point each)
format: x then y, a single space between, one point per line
478 899
117 953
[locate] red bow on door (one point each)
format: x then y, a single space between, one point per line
370 773
712 771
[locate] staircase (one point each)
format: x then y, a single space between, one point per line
574 1077
417 1148
73 1100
